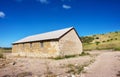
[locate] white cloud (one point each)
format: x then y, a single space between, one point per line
2 14
44 1
66 6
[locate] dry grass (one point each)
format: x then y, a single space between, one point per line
106 41
77 69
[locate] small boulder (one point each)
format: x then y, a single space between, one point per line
14 63
6 76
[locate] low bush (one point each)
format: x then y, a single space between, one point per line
108 40
97 37
116 32
97 42
87 39
84 53
103 41
69 56
117 49
115 38
58 58
63 57
1 55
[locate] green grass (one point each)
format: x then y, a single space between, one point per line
70 56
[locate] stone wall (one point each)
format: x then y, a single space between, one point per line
70 44
34 49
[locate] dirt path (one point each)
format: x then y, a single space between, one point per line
106 65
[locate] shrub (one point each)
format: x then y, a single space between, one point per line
84 53
109 36
69 56
87 39
97 37
116 32
58 58
70 65
117 49
108 40
97 42
63 57
103 41
111 39
94 35
115 38
1 55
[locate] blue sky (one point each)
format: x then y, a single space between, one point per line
21 18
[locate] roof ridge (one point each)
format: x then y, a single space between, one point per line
56 34
52 31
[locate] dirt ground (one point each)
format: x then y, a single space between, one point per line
106 64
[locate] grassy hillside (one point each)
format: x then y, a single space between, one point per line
103 41
5 50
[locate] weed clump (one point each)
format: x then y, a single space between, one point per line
117 49
1 55
75 69
97 42
65 56
71 56
84 54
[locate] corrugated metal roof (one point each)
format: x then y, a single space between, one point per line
45 36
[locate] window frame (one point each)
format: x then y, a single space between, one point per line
42 44
23 45
30 45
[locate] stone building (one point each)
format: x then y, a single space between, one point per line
51 44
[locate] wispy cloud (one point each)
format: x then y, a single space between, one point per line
44 1
2 14
66 6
